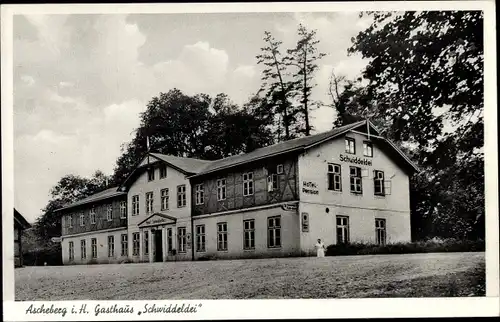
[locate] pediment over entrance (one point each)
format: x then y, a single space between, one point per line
158 219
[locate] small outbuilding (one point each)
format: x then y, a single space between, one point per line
20 224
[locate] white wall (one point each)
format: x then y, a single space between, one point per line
313 167
361 209
289 234
141 186
102 247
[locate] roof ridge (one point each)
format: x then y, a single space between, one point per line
175 156
291 140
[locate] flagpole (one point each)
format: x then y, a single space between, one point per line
368 127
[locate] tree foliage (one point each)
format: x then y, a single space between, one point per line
304 60
195 126
69 189
425 85
278 88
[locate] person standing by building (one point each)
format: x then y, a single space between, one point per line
320 248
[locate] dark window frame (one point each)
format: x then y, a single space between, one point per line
347 141
273 240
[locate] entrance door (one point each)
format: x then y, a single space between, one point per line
158 246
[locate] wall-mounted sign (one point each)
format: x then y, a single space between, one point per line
310 187
355 160
158 220
305 222
289 207
188 239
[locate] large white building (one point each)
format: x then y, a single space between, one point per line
345 185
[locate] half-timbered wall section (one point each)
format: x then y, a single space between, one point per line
273 180
71 218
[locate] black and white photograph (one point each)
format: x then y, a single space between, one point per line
230 152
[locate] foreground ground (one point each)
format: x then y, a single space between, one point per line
409 275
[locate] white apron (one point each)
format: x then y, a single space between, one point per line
320 249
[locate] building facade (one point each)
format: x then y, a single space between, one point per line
92 229
20 224
345 185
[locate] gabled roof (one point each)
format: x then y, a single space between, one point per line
279 148
105 194
158 214
187 165
20 220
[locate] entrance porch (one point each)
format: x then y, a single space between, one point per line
160 230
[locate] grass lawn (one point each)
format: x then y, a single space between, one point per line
408 275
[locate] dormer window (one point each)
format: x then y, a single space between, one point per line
367 149
350 145
151 174
163 171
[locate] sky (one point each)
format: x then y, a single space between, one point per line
81 81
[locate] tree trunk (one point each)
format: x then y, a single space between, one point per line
306 110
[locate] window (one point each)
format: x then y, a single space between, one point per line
181 239
123 209
334 177
367 149
199 194
248 184
221 189
181 196
70 221
163 171
149 202
380 232
135 205
272 182
356 186
378 182
83 249
93 246
151 174
279 169
92 215
82 219
164 199
71 251
135 244
124 240
350 146
169 239
222 236
109 213
200 238
146 243
274 232
111 246
342 230
249 234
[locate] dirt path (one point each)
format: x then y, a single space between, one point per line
436 274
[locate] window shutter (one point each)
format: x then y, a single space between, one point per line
387 187
364 173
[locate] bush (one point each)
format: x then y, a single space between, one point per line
434 245
38 257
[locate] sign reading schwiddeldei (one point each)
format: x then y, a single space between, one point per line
355 160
